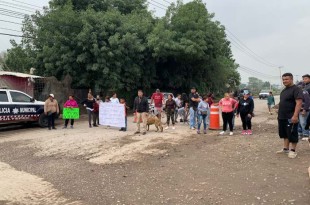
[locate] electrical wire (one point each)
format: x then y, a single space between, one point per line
250 51
11 22
156 2
256 73
15 7
242 49
9 15
28 4
13 35
8 29
18 5
157 6
13 12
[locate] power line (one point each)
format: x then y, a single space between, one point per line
13 12
262 60
28 4
15 7
167 2
255 73
242 49
156 2
18 5
157 6
13 35
8 29
11 22
10 15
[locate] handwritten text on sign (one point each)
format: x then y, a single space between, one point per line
112 114
71 113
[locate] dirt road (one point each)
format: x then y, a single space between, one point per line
105 166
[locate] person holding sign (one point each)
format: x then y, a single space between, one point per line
141 108
70 103
89 104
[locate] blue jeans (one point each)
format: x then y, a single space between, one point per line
202 118
302 123
192 117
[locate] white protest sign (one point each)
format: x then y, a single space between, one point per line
112 114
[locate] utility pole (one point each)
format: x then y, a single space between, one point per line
280 67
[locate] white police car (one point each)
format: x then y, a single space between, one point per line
18 107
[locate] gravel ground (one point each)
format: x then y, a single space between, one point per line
105 166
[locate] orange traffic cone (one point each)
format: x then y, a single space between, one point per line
214 118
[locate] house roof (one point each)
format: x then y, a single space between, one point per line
21 75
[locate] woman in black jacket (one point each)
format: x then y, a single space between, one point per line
245 110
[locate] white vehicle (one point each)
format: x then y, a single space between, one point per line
263 94
18 107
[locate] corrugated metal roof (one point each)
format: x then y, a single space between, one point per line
21 75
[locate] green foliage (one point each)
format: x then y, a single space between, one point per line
118 45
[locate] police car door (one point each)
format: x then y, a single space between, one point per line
5 110
23 107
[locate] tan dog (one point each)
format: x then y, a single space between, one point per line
153 120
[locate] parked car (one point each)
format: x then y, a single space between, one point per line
19 107
263 94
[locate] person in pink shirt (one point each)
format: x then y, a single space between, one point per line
228 105
70 103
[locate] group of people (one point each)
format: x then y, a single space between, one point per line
91 104
293 113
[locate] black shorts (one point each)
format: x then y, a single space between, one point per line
288 130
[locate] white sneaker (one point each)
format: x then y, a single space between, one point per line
231 133
292 154
166 128
193 128
304 139
283 151
173 128
223 132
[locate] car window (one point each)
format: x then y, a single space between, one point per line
19 97
3 96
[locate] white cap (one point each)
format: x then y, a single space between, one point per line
52 95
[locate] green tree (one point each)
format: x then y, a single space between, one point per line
191 49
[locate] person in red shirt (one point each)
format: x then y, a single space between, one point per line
159 100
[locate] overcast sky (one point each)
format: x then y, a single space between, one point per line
277 31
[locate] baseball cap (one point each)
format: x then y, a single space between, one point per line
52 95
246 92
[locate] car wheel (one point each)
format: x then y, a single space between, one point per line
43 121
